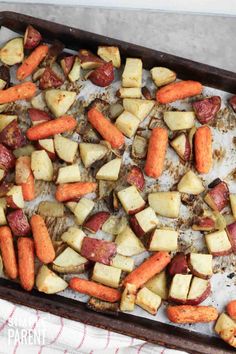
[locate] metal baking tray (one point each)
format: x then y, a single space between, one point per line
149 330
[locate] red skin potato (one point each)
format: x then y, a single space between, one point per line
207 108
7 159
204 223
231 232
12 136
37 115
98 250
32 37
194 270
87 56
178 264
200 298
135 211
18 223
136 227
67 64
51 155
102 76
187 149
232 102
220 195
49 79
95 221
4 188
136 178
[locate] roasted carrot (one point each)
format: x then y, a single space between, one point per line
178 91
105 128
24 177
70 191
43 243
191 314
32 62
52 127
152 266
18 92
231 309
156 152
25 247
203 149
8 252
94 289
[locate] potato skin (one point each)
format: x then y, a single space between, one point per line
98 250
18 223
219 195
178 264
95 221
12 136
135 177
32 38
232 103
7 159
207 108
103 76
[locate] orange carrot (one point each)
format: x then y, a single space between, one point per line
31 62
156 152
52 127
18 92
178 91
191 314
94 289
69 191
25 247
24 177
105 128
43 243
152 266
203 149
231 309
8 252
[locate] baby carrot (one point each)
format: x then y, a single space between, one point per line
25 247
191 314
8 252
52 127
178 91
153 265
156 152
24 177
43 243
18 92
105 128
70 191
203 149
231 309
32 62
94 289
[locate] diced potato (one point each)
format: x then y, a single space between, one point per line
51 208
65 148
232 198
69 261
132 74
110 54
158 285
106 275
74 74
224 322
148 300
110 171
83 209
3 220
180 287
162 76
190 183
39 102
6 119
179 120
124 263
131 200
12 52
74 238
127 123
114 225
41 165
200 265
138 107
127 302
68 174
48 146
165 203
129 92
91 152
139 147
218 243
128 244
59 101
147 219
14 198
48 282
164 240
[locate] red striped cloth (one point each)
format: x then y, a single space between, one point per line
23 331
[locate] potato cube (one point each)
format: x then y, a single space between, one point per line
122 262
127 123
129 92
224 322
162 76
180 287
74 238
128 244
41 165
127 302
110 171
132 74
110 54
147 219
190 183
138 107
106 275
65 148
59 101
158 285
131 200
91 152
68 174
83 209
164 240
179 120
165 203
218 243
148 300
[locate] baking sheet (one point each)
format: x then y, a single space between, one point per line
224 149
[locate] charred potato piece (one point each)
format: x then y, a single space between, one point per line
207 108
